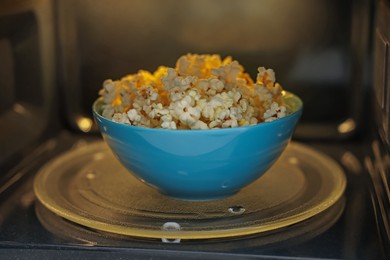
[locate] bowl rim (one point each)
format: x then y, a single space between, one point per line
286 94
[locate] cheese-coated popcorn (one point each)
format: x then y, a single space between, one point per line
200 92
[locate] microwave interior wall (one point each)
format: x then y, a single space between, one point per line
311 46
56 54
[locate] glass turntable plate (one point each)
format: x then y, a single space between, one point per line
88 186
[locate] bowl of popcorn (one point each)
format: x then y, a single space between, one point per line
202 130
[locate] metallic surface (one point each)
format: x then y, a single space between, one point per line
350 237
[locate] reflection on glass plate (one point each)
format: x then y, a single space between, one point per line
300 232
88 186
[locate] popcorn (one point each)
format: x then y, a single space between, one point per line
201 92
133 115
274 112
121 118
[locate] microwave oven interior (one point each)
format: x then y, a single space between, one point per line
55 54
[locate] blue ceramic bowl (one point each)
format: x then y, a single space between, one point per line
199 164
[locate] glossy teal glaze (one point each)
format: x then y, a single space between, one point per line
199 164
